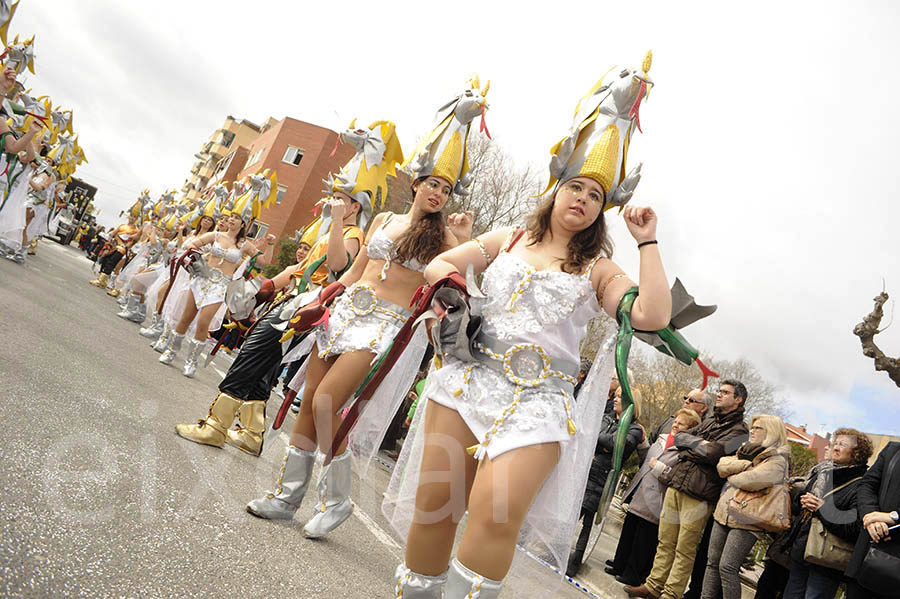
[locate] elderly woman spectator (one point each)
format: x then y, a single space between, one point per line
760 464
643 503
878 499
830 498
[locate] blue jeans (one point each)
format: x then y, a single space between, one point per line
809 582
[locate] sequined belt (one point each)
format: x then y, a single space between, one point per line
524 364
212 274
363 301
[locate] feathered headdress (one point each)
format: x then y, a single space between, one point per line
442 153
19 55
597 143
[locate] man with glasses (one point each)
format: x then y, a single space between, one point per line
696 401
694 488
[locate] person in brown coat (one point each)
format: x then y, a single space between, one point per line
761 463
694 487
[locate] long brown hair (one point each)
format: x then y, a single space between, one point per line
584 245
424 240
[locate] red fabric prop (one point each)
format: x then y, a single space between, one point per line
283 410
266 291
316 312
707 372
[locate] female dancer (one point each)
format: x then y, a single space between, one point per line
207 288
157 291
529 445
366 318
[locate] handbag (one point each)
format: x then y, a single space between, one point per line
823 547
768 509
879 571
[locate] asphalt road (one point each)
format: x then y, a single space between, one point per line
99 497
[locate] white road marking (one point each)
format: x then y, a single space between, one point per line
376 530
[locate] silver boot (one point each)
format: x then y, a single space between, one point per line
140 314
163 342
293 480
157 324
463 583
190 361
334 498
411 585
172 347
131 306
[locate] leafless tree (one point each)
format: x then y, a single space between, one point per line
866 331
501 194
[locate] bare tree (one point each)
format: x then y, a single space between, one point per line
866 331
501 194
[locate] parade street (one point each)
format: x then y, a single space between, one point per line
100 498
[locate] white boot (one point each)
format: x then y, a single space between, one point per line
157 324
463 583
334 498
190 361
139 315
411 585
171 348
291 486
130 307
163 342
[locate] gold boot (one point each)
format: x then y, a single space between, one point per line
211 430
248 435
101 280
32 247
114 292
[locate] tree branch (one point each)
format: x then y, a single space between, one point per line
866 331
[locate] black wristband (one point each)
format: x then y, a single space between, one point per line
643 243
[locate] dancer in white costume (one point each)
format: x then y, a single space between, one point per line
499 434
368 314
210 280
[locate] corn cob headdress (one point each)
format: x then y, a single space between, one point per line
597 143
261 194
7 10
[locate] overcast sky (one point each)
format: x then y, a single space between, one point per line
769 142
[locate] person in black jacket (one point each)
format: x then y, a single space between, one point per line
830 496
600 469
878 499
694 487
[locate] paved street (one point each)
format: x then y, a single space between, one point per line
99 498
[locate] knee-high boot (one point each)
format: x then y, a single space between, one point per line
248 435
155 329
190 360
163 342
101 280
172 347
211 430
463 583
334 498
412 585
130 308
291 486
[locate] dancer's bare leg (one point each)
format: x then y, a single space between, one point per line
336 387
204 317
303 435
502 493
442 496
190 312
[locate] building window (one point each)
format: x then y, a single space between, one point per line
227 138
254 157
282 189
258 229
293 155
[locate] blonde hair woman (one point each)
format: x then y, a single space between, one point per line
761 463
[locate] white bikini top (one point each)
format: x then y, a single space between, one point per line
232 255
381 247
